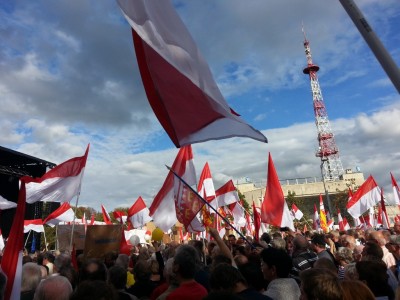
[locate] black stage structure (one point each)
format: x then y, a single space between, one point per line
14 165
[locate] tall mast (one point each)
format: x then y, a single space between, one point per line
331 165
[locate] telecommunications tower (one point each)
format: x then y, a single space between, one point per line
331 166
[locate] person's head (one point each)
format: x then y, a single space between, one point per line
122 261
253 275
396 227
186 262
62 261
266 238
378 237
94 290
142 271
31 276
325 264
357 252
300 244
225 277
48 257
373 273
117 277
394 245
344 256
169 274
93 269
356 290
350 272
232 239
349 242
372 251
275 263
278 243
53 288
240 259
318 242
316 285
109 259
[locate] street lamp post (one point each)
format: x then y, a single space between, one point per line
323 160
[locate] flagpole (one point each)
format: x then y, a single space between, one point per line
27 238
73 222
208 204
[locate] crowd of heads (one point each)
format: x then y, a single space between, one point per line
356 264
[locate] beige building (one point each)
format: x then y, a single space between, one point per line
309 186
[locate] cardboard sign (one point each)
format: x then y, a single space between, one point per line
64 237
101 239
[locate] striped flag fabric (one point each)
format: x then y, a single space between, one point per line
60 184
368 195
11 262
62 214
238 214
396 191
227 194
316 221
34 225
274 209
138 213
162 209
343 224
297 213
120 216
178 82
206 188
5 204
106 216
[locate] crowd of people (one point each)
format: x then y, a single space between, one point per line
356 264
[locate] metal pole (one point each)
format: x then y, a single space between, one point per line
374 43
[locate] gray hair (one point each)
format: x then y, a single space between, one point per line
53 288
31 276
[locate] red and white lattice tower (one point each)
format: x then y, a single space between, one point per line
331 166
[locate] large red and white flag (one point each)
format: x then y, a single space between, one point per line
365 197
227 194
5 204
62 214
138 213
296 212
60 184
238 214
343 224
34 225
316 221
11 262
177 80
206 188
106 216
274 209
396 191
162 209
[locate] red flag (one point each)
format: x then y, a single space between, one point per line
124 248
297 213
162 209
106 216
396 191
177 80
366 196
343 224
138 214
274 209
322 216
11 262
227 194
257 223
60 184
92 220
205 187
62 214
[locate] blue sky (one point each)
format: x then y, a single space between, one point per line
68 77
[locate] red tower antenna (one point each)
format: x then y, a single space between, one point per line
331 166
